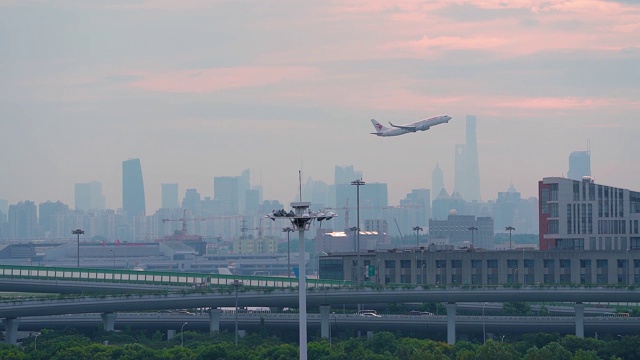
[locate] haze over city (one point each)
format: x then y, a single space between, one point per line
202 89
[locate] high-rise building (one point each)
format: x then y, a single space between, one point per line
191 200
89 196
467 172
460 230
472 190
225 192
579 165
244 185
47 211
23 220
583 215
133 200
437 181
170 196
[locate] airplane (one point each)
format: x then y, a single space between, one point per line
420 125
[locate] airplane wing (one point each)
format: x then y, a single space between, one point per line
409 128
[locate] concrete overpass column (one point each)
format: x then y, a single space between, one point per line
11 330
324 321
451 323
214 320
579 308
108 321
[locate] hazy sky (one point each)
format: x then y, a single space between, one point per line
198 89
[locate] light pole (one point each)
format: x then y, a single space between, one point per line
357 184
288 230
301 219
78 232
35 342
114 258
484 333
355 247
509 229
417 229
182 334
472 229
236 284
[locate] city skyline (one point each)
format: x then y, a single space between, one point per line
199 90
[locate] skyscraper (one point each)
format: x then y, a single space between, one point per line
170 196
579 165
23 220
472 167
89 196
467 172
133 201
225 192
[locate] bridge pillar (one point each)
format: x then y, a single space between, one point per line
11 330
324 321
451 323
108 321
214 320
579 308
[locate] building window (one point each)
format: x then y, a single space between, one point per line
492 264
441 264
512 263
390 264
405 264
585 263
476 264
553 227
547 263
565 263
421 264
456 264
529 263
602 263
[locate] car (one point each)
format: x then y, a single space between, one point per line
368 314
426 313
414 312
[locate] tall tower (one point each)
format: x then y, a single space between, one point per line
437 181
472 189
133 188
579 165
170 196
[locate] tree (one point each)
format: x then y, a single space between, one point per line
516 308
493 350
585 355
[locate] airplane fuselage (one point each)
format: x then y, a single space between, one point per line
420 125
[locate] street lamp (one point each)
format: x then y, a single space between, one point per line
236 284
288 230
35 342
78 232
182 334
301 219
509 229
114 258
355 248
357 184
472 229
484 333
417 229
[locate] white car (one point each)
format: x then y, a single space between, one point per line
367 314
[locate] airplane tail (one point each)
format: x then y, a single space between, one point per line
379 127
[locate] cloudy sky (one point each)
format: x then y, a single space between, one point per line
198 89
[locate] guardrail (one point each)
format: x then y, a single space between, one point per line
192 280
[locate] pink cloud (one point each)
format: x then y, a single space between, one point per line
210 80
